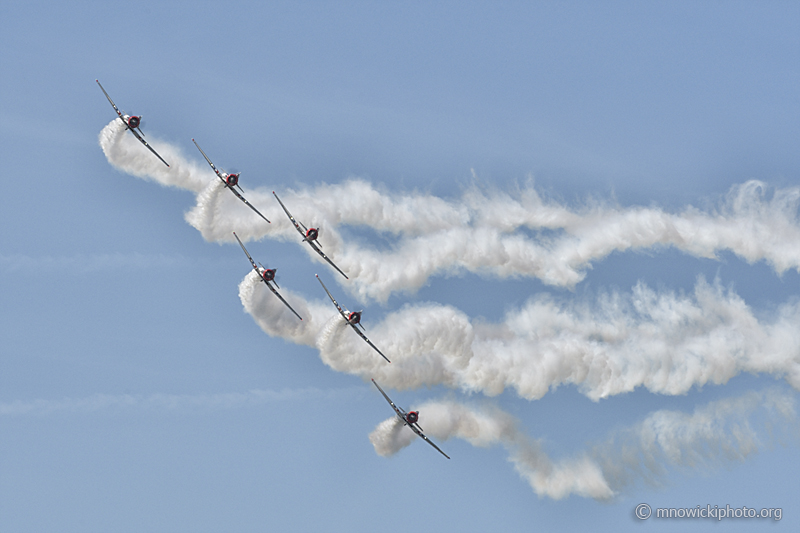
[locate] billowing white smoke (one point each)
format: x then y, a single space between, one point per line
127 154
720 432
725 430
665 342
482 232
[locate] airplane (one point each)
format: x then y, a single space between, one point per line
131 123
353 319
410 419
230 181
267 275
309 235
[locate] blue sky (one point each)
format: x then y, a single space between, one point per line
137 391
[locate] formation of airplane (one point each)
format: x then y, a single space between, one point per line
230 181
310 235
267 275
410 419
353 318
132 122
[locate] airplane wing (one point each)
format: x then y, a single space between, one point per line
396 409
426 439
248 204
341 311
245 253
414 429
207 159
110 100
265 281
369 342
141 140
326 258
295 222
276 293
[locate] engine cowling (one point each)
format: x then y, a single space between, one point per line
134 122
268 274
312 234
354 317
412 417
232 180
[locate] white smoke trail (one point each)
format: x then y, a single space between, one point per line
127 154
666 342
723 431
730 429
482 232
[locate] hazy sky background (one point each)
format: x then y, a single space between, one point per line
137 394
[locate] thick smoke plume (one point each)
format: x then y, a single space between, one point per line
720 432
664 341
482 232
611 344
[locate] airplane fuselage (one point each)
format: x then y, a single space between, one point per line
132 121
268 274
230 179
354 317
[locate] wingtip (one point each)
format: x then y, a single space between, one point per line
192 139
317 275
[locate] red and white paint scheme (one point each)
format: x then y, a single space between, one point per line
354 317
269 274
133 122
231 180
311 235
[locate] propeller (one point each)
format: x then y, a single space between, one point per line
275 279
